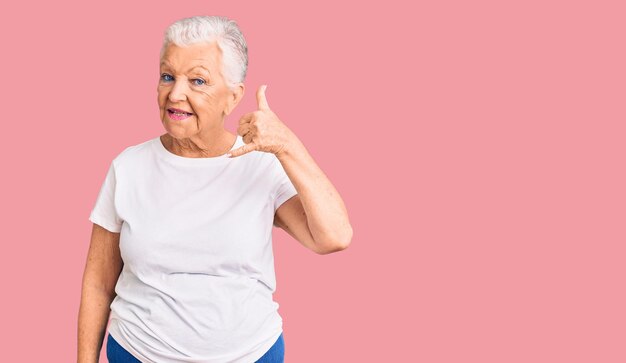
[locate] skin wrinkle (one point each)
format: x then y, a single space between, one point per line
202 134
166 64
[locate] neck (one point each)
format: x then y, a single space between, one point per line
200 147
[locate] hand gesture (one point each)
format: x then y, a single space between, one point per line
262 130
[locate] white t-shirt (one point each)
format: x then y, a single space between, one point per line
196 240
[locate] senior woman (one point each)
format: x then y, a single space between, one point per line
181 246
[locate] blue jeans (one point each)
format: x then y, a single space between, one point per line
117 354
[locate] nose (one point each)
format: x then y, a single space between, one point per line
178 92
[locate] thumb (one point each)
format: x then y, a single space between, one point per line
260 98
242 150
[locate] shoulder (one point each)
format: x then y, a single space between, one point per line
262 167
134 153
269 163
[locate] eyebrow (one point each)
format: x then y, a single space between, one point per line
194 67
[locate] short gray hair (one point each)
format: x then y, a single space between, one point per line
206 29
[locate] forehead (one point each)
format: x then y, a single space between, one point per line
183 58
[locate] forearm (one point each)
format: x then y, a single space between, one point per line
92 321
326 213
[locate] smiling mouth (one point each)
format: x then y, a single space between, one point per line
178 113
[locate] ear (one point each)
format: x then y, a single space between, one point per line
234 97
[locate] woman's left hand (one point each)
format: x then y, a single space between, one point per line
262 130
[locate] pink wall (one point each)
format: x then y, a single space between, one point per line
479 148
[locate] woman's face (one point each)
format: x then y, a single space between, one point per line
191 81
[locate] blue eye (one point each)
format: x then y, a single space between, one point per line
198 81
166 77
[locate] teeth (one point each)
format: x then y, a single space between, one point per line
179 113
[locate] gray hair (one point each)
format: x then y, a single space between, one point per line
206 29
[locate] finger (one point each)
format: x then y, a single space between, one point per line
247 138
246 118
260 98
242 150
244 129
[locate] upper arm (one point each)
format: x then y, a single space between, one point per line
104 262
291 217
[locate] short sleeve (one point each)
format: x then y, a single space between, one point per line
283 188
104 212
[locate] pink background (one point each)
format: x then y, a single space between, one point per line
478 146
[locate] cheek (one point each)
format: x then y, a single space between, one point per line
205 102
161 97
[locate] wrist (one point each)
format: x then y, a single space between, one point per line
290 149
